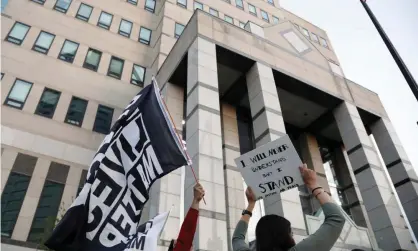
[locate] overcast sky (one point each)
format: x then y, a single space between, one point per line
365 58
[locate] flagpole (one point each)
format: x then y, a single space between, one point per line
181 141
402 66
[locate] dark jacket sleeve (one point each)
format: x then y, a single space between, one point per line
187 231
327 234
238 239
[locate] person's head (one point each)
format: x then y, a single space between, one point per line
273 233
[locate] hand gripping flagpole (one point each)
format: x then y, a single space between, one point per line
180 139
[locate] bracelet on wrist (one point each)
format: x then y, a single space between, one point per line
316 188
316 196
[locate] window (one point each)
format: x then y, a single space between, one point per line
305 32
43 42
68 51
62 5
265 16
48 103
39 1
295 41
239 4
49 202
84 12
324 42
182 3
103 119
178 30
2 75
213 12
115 67
242 25
270 2
105 20
14 192
252 9
314 37
92 59
11 201
150 5
125 28
138 75
18 33
145 35
18 94
336 68
76 111
229 19
275 20
134 2
198 5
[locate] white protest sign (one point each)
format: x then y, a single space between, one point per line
271 168
146 239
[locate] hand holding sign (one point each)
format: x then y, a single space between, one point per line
308 176
271 168
251 198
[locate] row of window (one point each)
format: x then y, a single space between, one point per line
64 5
264 15
105 19
268 1
49 201
312 36
239 4
69 50
49 101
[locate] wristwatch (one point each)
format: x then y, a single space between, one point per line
247 212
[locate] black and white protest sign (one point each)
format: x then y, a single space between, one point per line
141 148
271 168
147 235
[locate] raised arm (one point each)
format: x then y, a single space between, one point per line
188 228
327 234
238 239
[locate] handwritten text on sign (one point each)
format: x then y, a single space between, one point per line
271 168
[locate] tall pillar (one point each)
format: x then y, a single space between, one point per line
347 180
349 188
400 169
268 125
169 195
379 201
312 157
204 145
30 203
235 195
71 186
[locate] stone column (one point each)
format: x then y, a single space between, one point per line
312 157
349 187
235 195
71 186
379 201
204 145
268 125
170 190
30 203
347 180
400 169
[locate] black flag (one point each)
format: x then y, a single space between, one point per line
141 148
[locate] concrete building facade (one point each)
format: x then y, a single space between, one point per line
235 75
